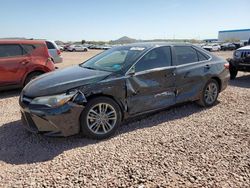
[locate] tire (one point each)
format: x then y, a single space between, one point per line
233 72
74 50
32 76
93 125
85 50
205 98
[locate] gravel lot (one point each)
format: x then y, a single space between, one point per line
185 146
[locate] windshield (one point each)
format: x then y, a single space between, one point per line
114 59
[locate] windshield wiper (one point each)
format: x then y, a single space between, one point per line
88 68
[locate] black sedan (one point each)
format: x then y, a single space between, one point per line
95 96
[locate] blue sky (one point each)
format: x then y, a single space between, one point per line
111 19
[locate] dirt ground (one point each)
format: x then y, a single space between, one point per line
185 146
72 58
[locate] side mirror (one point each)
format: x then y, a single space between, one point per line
131 71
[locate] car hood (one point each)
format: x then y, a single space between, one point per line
62 80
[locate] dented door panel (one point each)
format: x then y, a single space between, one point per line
190 80
150 90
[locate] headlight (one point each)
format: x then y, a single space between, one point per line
53 101
237 53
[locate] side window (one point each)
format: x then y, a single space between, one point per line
28 48
185 54
156 58
202 57
50 45
10 50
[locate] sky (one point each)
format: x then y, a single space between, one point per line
72 20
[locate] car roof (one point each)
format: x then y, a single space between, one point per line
14 41
155 44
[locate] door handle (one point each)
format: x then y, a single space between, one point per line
24 62
207 66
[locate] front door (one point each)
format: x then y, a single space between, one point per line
152 86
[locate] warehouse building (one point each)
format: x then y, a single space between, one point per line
229 35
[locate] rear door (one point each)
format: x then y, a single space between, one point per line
152 86
192 71
13 64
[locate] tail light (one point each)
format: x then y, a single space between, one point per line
58 52
49 60
226 65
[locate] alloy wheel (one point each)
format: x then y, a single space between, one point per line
101 118
211 93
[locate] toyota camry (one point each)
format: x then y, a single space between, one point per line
94 97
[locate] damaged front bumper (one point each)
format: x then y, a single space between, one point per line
60 121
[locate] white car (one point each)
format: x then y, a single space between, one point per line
212 47
54 51
77 48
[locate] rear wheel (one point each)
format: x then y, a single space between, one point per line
209 94
100 118
32 76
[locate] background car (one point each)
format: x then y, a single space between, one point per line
77 48
240 61
54 51
228 46
61 47
95 96
212 47
22 61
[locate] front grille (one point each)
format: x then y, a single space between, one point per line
245 54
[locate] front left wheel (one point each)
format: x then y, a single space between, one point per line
100 118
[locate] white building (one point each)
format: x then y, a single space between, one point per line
241 34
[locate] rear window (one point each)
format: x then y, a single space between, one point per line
185 54
50 45
10 50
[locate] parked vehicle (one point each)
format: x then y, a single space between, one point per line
95 96
65 48
228 46
212 47
61 48
54 51
22 61
100 47
77 48
240 61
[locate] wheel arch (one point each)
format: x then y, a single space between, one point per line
117 101
31 72
218 80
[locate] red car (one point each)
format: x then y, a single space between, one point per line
21 61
